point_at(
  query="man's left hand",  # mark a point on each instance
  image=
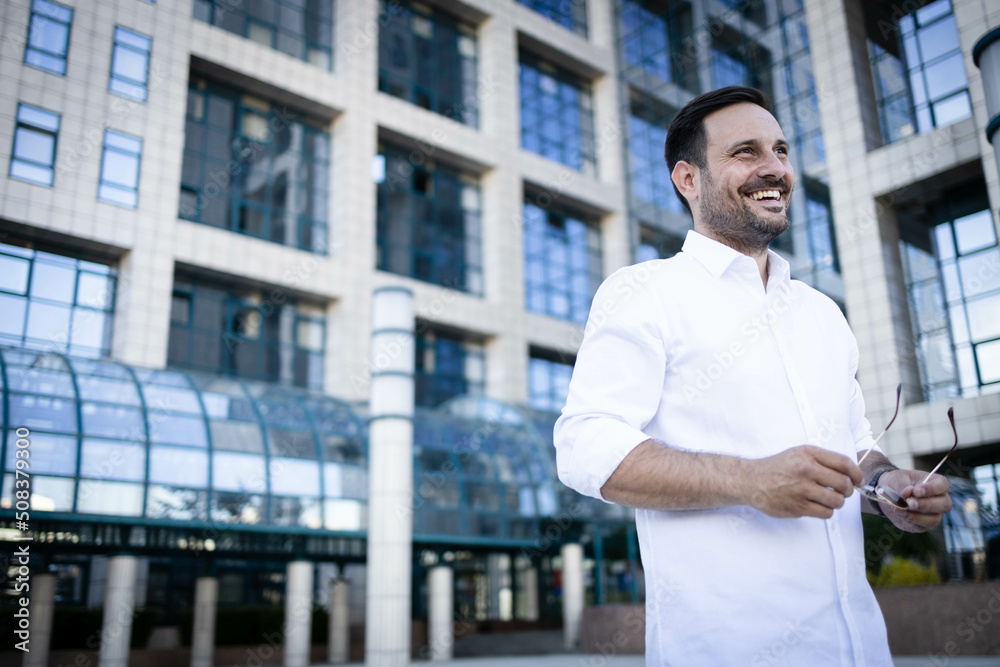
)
(927, 502)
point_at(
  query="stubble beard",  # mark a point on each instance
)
(735, 222)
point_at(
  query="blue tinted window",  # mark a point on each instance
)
(54, 302)
(657, 244)
(120, 169)
(562, 256)
(48, 36)
(649, 176)
(557, 118)
(447, 365)
(254, 168)
(429, 222)
(35, 135)
(571, 14)
(130, 64)
(428, 58)
(919, 73)
(548, 380)
(656, 38)
(301, 28)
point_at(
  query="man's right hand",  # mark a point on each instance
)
(801, 481)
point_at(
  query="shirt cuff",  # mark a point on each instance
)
(617, 440)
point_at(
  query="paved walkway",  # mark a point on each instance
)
(580, 660)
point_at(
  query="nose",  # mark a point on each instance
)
(772, 166)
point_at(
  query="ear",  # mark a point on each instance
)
(685, 178)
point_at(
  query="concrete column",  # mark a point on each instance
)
(390, 480)
(298, 612)
(986, 56)
(206, 599)
(119, 610)
(529, 594)
(339, 645)
(497, 566)
(572, 593)
(43, 603)
(441, 630)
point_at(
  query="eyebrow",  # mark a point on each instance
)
(783, 143)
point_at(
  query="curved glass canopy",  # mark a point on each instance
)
(167, 445)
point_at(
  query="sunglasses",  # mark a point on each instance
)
(884, 494)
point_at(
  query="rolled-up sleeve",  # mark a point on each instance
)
(616, 386)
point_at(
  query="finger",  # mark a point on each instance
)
(840, 463)
(932, 505)
(835, 480)
(824, 496)
(937, 485)
(817, 510)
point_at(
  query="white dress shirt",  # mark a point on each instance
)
(692, 352)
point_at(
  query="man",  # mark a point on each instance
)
(719, 398)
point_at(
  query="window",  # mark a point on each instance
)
(429, 58)
(919, 74)
(987, 480)
(48, 36)
(649, 176)
(737, 61)
(301, 28)
(35, 137)
(254, 168)
(428, 220)
(448, 364)
(798, 109)
(556, 115)
(562, 255)
(548, 379)
(54, 302)
(120, 169)
(954, 293)
(571, 15)
(822, 238)
(657, 244)
(656, 38)
(130, 64)
(247, 332)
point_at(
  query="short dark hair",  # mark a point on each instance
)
(686, 139)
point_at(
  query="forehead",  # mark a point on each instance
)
(739, 122)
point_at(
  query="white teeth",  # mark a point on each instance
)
(768, 194)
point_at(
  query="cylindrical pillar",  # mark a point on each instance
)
(390, 480)
(338, 648)
(529, 593)
(986, 56)
(441, 629)
(497, 566)
(119, 609)
(43, 603)
(206, 598)
(298, 612)
(572, 592)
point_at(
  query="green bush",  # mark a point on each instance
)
(884, 540)
(907, 572)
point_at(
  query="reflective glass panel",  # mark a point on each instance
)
(102, 497)
(109, 459)
(238, 472)
(164, 502)
(181, 467)
(344, 515)
(47, 454)
(294, 476)
(48, 494)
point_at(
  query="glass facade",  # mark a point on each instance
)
(429, 220)
(130, 64)
(657, 244)
(53, 302)
(649, 178)
(653, 40)
(301, 28)
(448, 364)
(120, 169)
(262, 334)
(919, 73)
(562, 263)
(954, 293)
(557, 119)
(254, 168)
(429, 58)
(48, 36)
(35, 138)
(570, 14)
(548, 379)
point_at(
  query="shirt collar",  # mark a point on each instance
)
(717, 257)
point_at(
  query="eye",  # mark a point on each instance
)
(743, 151)
(782, 150)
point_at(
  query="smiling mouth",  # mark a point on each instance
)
(766, 195)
